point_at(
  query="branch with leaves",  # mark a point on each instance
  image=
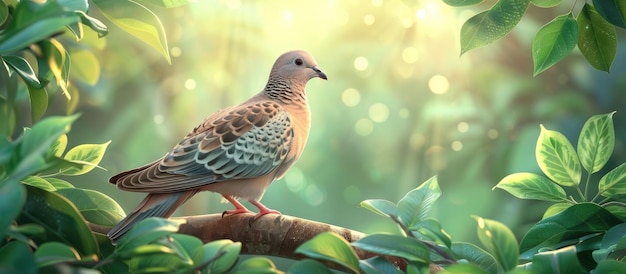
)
(592, 29)
(35, 30)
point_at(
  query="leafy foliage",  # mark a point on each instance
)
(45, 222)
(571, 229)
(36, 28)
(572, 237)
(593, 30)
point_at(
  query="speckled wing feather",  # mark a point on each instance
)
(247, 141)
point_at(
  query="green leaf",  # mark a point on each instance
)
(36, 144)
(7, 114)
(564, 260)
(596, 142)
(93, 23)
(23, 69)
(147, 250)
(38, 140)
(499, 241)
(614, 236)
(554, 41)
(58, 147)
(59, 64)
(89, 155)
(430, 229)
(380, 207)
(38, 102)
(464, 269)
(34, 21)
(613, 184)
(12, 199)
(38, 182)
(48, 52)
(29, 229)
(4, 12)
(475, 255)
(307, 266)
(61, 220)
(137, 20)
(258, 265)
(493, 24)
(546, 3)
(147, 231)
(74, 5)
(165, 3)
(85, 67)
(574, 222)
(407, 248)
(56, 166)
(597, 38)
(555, 209)
(170, 254)
(158, 257)
(59, 183)
(587, 243)
(617, 210)
(416, 204)
(613, 11)
(377, 265)
(222, 255)
(186, 245)
(610, 267)
(16, 257)
(462, 3)
(532, 186)
(50, 253)
(331, 247)
(96, 207)
(557, 159)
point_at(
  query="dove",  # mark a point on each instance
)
(236, 152)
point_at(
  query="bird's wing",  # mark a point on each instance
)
(247, 141)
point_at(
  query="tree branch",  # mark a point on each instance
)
(273, 235)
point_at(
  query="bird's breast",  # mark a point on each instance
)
(301, 121)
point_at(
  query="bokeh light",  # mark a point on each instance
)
(410, 55)
(378, 112)
(190, 84)
(360, 63)
(369, 19)
(438, 84)
(364, 127)
(462, 127)
(350, 97)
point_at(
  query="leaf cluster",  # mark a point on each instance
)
(35, 49)
(592, 30)
(576, 234)
(46, 224)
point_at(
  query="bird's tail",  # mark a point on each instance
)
(154, 205)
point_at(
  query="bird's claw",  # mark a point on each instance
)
(236, 211)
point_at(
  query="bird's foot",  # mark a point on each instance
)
(236, 211)
(262, 209)
(267, 211)
(239, 208)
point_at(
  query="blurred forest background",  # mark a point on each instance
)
(400, 104)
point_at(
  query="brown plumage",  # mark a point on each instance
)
(237, 151)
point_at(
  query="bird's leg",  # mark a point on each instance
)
(239, 208)
(262, 209)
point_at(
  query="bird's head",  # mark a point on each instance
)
(296, 65)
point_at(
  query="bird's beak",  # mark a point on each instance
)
(319, 72)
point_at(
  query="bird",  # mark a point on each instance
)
(236, 152)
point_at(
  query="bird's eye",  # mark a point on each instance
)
(298, 62)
